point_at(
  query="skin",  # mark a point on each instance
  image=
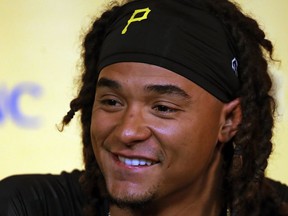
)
(148, 112)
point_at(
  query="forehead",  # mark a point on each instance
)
(142, 73)
(132, 76)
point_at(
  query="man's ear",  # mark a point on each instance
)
(231, 118)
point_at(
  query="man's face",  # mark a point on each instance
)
(154, 133)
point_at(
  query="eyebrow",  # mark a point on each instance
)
(168, 90)
(162, 89)
(104, 82)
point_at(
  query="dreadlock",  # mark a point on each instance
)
(245, 158)
(258, 106)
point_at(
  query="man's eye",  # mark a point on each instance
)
(166, 109)
(110, 102)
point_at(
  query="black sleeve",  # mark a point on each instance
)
(280, 188)
(41, 195)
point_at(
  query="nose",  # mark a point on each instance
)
(132, 127)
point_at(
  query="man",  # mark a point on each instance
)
(158, 139)
(176, 112)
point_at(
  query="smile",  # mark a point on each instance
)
(135, 161)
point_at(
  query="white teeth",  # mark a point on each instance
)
(149, 163)
(135, 162)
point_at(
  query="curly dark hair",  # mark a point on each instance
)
(247, 191)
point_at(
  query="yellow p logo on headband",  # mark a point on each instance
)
(146, 11)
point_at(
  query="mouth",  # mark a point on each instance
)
(136, 162)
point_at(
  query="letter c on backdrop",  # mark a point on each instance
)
(10, 104)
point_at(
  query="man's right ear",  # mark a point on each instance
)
(232, 116)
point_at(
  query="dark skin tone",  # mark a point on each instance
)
(157, 138)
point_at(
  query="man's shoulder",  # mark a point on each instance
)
(41, 194)
(280, 188)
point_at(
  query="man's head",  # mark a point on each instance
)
(149, 104)
(201, 135)
(157, 136)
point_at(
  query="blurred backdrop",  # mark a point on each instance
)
(40, 46)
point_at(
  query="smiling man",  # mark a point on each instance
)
(176, 117)
(176, 112)
(157, 138)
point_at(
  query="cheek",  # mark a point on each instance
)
(100, 130)
(100, 127)
(101, 123)
(188, 141)
(189, 133)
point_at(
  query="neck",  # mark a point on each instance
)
(206, 199)
(196, 208)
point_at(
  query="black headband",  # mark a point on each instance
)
(176, 35)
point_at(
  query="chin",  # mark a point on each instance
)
(132, 201)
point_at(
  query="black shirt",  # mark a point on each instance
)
(56, 195)
(41, 195)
